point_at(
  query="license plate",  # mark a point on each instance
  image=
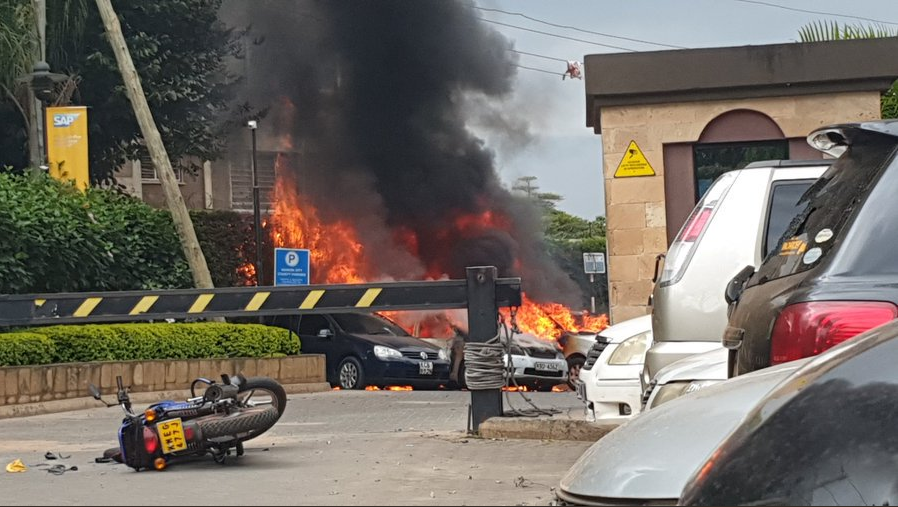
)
(546, 367)
(171, 435)
(425, 368)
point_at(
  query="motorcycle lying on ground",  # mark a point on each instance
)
(220, 420)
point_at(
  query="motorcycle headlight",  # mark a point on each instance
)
(674, 390)
(631, 351)
(386, 352)
(442, 354)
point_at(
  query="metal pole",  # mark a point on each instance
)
(592, 287)
(483, 325)
(257, 213)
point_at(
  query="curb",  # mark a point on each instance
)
(56, 406)
(543, 429)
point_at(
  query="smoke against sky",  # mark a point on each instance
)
(374, 99)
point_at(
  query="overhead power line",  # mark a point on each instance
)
(538, 70)
(861, 18)
(582, 30)
(555, 35)
(538, 55)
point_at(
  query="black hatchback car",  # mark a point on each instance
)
(834, 273)
(369, 350)
(824, 436)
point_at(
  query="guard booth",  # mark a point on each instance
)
(672, 121)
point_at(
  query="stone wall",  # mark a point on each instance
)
(32, 384)
(635, 207)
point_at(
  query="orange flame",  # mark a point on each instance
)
(400, 388)
(372, 388)
(550, 320)
(515, 389)
(338, 256)
(560, 388)
(336, 253)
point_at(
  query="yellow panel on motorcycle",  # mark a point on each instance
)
(150, 414)
(171, 435)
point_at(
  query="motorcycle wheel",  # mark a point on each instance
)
(255, 421)
(262, 391)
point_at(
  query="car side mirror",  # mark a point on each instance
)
(325, 333)
(735, 287)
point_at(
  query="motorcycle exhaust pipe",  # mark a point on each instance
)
(218, 392)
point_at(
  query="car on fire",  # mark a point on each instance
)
(364, 350)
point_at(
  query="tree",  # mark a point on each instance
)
(173, 198)
(547, 200)
(179, 47)
(832, 30)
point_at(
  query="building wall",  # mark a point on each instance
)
(635, 207)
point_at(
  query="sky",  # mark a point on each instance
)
(560, 151)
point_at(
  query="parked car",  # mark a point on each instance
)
(824, 436)
(834, 274)
(609, 381)
(576, 347)
(686, 376)
(649, 459)
(537, 364)
(369, 350)
(737, 222)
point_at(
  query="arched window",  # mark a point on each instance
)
(733, 140)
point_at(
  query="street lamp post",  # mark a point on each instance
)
(257, 213)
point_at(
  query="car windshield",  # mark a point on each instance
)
(356, 323)
(826, 207)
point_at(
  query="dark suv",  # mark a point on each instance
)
(369, 350)
(834, 273)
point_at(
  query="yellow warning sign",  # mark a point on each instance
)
(634, 163)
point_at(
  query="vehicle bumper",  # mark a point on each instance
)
(527, 374)
(566, 498)
(613, 401)
(404, 372)
(662, 354)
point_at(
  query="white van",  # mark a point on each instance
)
(736, 223)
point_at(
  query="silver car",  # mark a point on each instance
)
(648, 460)
(736, 223)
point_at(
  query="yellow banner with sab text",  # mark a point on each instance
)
(67, 144)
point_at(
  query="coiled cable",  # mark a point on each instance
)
(485, 364)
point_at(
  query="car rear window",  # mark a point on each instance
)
(784, 206)
(826, 207)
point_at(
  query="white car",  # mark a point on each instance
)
(538, 364)
(609, 381)
(686, 376)
(649, 460)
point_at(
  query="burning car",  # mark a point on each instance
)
(535, 364)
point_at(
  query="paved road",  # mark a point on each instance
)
(334, 448)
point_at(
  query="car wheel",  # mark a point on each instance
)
(350, 374)
(574, 365)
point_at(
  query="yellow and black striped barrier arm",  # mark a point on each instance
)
(67, 308)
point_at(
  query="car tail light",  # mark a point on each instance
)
(150, 442)
(697, 224)
(807, 329)
(683, 247)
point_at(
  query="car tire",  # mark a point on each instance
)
(574, 365)
(350, 374)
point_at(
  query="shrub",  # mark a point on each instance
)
(124, 342)
(22, 349)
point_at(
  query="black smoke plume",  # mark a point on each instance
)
(370, 96)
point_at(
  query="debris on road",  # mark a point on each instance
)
(16, 467)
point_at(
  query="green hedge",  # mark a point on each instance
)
(21, 349)
(124, 342)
